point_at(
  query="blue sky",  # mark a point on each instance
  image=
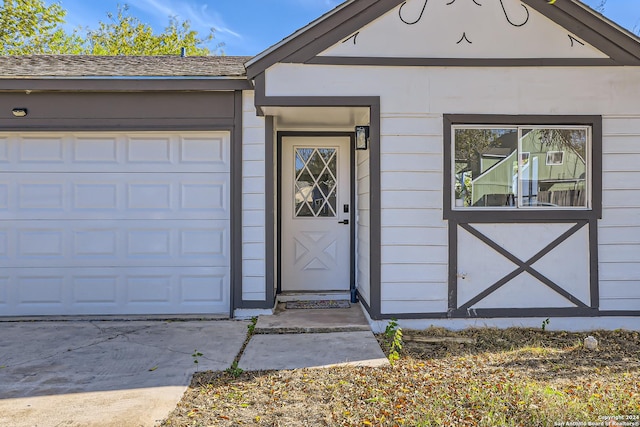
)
(247, 27)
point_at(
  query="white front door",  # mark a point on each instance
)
(316, 212)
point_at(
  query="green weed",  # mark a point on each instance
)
(393, 335)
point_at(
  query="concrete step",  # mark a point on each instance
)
(311, 350)
(313, 296)
(297, 321)
(312, 338)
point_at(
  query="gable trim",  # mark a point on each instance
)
(621, 46)
(595, 29)
(462, 62)
(318, 36)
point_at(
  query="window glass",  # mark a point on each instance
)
(484, 167)
(315, 182)
(556, 174)
(511, 167)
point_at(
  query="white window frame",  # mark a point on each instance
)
(519, 200)
(551, 163)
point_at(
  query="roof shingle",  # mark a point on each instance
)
(121, 66)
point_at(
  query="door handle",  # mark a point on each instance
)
(345, 222)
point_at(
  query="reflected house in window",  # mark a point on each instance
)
(550, 169)
(483, 177)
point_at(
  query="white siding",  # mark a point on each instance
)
(414, 251)
(619, 232)
(411, 91)
(413, 101)
(253, 201)
(363, 261)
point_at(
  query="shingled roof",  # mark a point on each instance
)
(78, 66)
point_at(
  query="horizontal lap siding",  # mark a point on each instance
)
(414, 236)
(413, 100)
(619, 231)
(363, 247)
(253, 202)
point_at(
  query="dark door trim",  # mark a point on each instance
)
(352, 201)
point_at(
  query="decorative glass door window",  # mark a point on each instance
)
(521, 167)
(315, 188)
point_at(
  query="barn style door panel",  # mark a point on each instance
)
(522, 269)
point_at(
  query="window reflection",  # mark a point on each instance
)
(315, 182)
(546, 167)
(485, 161)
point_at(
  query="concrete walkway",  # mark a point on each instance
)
(312, 338)
(105, 373)
(133, 373)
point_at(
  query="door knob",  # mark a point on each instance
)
(345, 222)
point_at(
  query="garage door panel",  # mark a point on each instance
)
(4, 291)
(115, 196)
(125, 242)
(114, 291)
(116, 152)
(4, 149)
(4, 195)
(4, 246)
(114, 223)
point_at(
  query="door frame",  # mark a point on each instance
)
(352, 201)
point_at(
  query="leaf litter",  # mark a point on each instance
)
(492, 377)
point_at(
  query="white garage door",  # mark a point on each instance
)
(114, 223)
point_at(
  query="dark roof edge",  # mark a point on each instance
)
(321, 33)
(622, 46)
(594, 28)
(124, 84)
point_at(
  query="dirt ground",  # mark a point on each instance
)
(476, 377)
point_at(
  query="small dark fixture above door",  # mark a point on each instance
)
(362, 137)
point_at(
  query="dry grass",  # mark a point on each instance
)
(513, 377)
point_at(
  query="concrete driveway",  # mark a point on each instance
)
(105, 373)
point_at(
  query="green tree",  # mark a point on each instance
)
(125, 34)
(32, 27)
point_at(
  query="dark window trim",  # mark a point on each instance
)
(595, 212)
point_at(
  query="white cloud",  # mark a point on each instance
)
(316, 4)
(201, 18)
(155, 7)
